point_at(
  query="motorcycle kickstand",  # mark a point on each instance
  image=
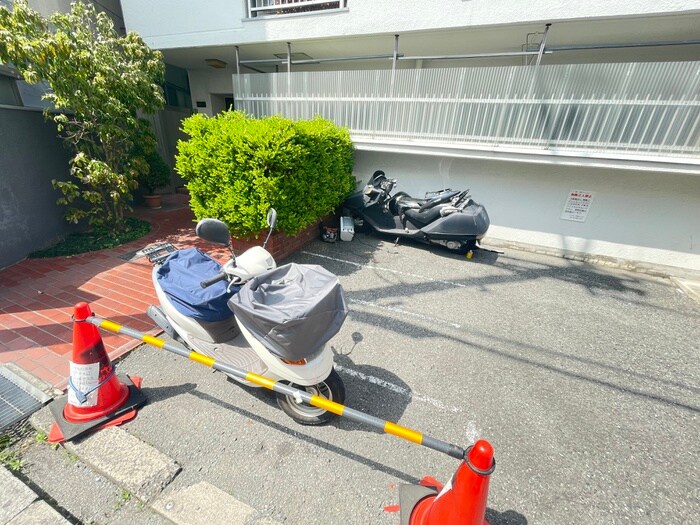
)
(396, 242)
(490, 250)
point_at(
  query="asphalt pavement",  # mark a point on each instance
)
(585, 380)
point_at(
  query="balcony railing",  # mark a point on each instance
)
(635, 108)
(258, 8)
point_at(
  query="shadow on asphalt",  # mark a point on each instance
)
(296, 434)
(161, 393)
(509, 517)
(494, 517)
(516, 271)
(375, 390)
(423, 333)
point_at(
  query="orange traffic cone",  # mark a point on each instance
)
(463, 500)
(96, 396)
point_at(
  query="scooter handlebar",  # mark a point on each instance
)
(208, 282)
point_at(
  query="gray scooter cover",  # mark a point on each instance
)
(293, 310)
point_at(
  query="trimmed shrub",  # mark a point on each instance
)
(158, 175)
(237, 167)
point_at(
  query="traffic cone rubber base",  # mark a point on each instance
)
(410, 496)
(64, 430)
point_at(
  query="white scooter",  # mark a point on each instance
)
(197, 298)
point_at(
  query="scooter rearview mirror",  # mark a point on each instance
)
(213, 230)
(271, 222)
(272, 218)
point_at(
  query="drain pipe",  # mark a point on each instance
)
(542, 44)
(238, 61)
(395, 59)
(238, 76)
(289, 68)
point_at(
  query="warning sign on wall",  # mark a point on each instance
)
(577, 205)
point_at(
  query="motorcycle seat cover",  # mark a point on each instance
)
(179, 278)
(293, 310)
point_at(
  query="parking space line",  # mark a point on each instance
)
(398, 272)
(405, 392)
(405, 312)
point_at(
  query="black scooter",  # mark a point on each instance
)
(446, 217)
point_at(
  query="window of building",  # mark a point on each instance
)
(177, 87)
(9, 96)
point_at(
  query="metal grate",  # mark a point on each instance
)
(630, 108)
(18, 399)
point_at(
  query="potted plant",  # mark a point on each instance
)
(157, 177)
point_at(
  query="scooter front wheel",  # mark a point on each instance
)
(331, 388)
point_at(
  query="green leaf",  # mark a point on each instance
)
(236, 167)
(103, 80)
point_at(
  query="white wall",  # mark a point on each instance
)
(47, 7)
(646, 217)
(208, 86)
(168, 24)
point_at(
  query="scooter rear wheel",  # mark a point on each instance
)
(331, 388)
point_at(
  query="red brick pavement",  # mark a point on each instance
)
(37, 295)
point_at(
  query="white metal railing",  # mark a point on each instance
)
(649, 108)
(257, 8)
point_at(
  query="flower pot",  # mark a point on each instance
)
(152, 201)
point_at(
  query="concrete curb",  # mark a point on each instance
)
(126, 460)
(144, 471)
(205, 504)
(655, 270)
(20, 505)
(690, 287)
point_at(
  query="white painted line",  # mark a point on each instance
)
(405, 392)
(372, 267)
(404, 312)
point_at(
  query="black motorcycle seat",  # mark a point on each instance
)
(403, 201)
(423, 218)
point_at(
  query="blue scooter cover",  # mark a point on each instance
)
(179, 277)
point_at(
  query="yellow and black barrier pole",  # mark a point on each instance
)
(271, 384)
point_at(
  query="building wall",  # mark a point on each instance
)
(637, 215)
(179, 23)
(209, 87)
(47, 7)
(31, 155)
(167, 124)
(651, 218)
(112, 7)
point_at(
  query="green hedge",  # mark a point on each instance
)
(236, 167)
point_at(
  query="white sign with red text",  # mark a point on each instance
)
(577, 205)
